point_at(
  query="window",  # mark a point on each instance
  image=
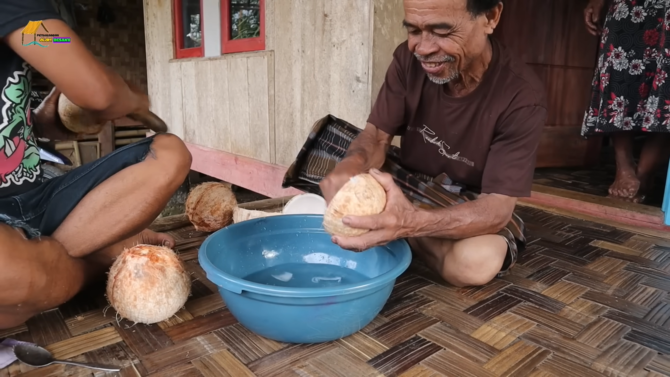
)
(188, 28)
(242, 25)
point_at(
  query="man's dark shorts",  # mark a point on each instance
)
(41, 210)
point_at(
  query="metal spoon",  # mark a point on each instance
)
(36, 356)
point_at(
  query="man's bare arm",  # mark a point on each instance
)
(486, 215)
(74, 70)
(367, 151)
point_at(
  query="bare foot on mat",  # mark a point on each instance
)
(106, 256)
(625, 186)
(149, 237)
(646, 185)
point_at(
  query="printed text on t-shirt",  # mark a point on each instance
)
(429, 136)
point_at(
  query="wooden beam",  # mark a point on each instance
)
(641, 230)
(130, 133)
(164, 224)
(257, 176)
(597, 207)
(265, 179)
(126, 122)
(106, 139)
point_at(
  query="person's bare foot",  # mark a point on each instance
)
(625, 186)
(646, 185)
(149, 237)
(105, 257)
(145, 237)
(654, 155)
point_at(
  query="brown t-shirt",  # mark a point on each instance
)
(486, 140)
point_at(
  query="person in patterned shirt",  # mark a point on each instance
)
(630, 91)
(58, 235)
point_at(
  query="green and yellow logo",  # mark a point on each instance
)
(40, 39)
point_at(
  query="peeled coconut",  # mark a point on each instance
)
(210, 206)
(77, 119)
(362, 195)
(148, 284)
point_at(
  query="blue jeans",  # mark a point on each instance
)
(41, 210)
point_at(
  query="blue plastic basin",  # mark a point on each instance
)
(299, 314)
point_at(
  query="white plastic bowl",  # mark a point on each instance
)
(305, 204)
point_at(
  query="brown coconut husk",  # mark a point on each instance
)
(362, 195)
(210, 206)
(148, 284)
(76, 119)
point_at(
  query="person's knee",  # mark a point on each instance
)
(35, 275)
(10, 238)
(19, 270)
(475, 261)
(174, 156)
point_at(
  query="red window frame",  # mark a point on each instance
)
(229, 46)
(177, 21)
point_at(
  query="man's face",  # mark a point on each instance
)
(444, 36)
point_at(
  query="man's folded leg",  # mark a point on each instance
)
(127, 202)
(469, 262)
(36, 275)
(463, 263)
(108, 200)
(69, 229)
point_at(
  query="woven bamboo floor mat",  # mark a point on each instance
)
(585, 299)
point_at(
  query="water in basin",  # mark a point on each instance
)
(306, 275)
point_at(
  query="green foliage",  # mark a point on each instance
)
(245, 19)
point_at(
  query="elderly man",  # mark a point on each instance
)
(470, 115)
(57, 235)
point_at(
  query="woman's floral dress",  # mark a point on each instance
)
(630, 87)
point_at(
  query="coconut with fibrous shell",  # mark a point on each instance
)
(148, 284)
(77, 119)
(362, 195)
(210, 206)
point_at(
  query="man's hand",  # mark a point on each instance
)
(75, 71)
(388, 226)
(592, 16)
(46, 121)
(334, 181)
(367, 151)
(142, 103)
(331, 184)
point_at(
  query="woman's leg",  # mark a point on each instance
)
(626, 182)
(655, 152)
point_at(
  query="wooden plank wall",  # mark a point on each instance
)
(551, 37)
(223, 102)
(161, 76)
(388, 34)
(327, 56)
(322, 65)
(226, 103)
(263, 104)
